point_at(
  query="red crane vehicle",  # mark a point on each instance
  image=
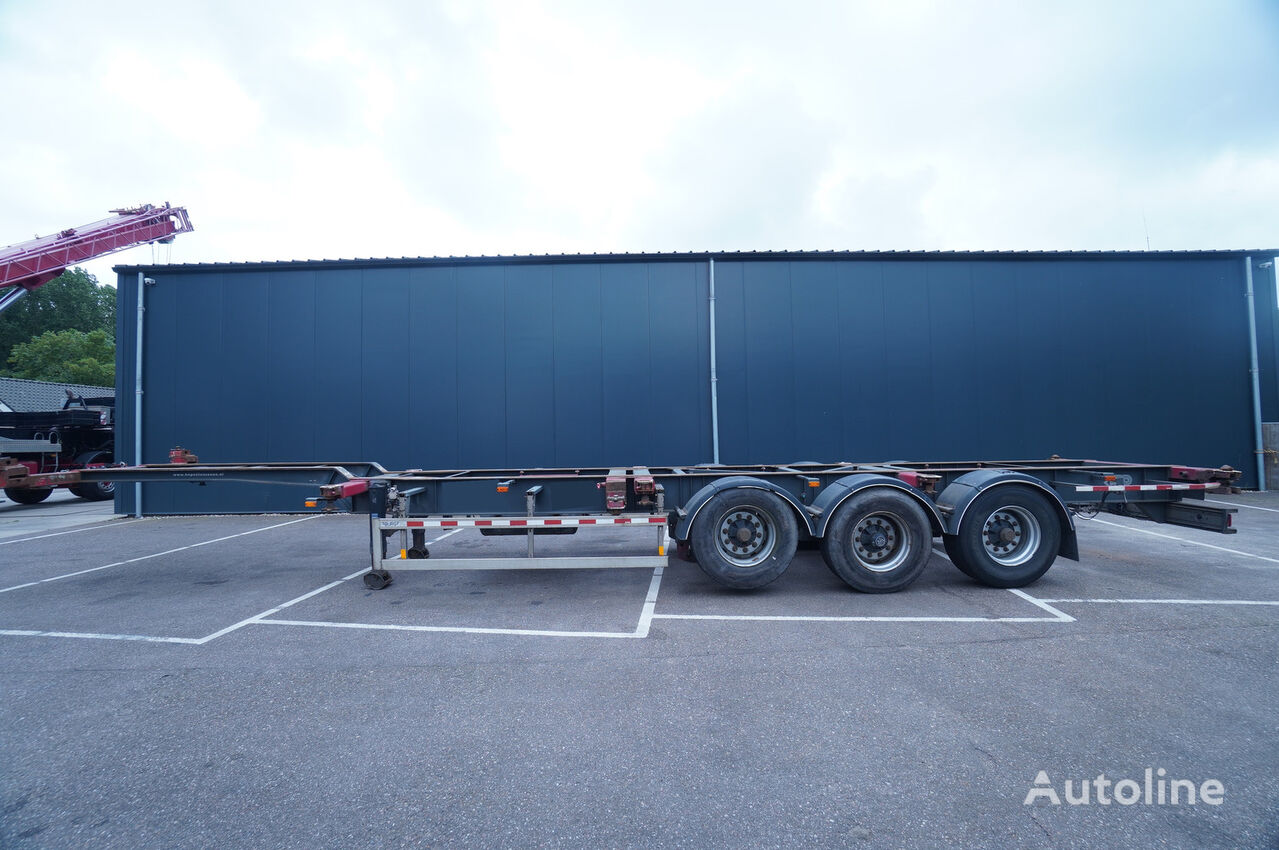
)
(31, 264)
(80, 435)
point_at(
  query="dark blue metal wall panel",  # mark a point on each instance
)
(339, 427)
(936, 360)
(578, 366)
(863, 332)
(530, 404)
(293, 407)
(627, 359)
(384, 347)
(814, 288)
(432, 377)
(481, 366)
(605, 361)
(1267, 294)
(955, 385)
(676, 423)
(196, 379)
(441, 366)
(907, 408)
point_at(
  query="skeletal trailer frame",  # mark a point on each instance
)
(403, 505)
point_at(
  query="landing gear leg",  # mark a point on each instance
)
(377, 579)
(418, 550)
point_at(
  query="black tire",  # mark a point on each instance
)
(951, 542)
(1009, 537)
(878, 541)
(744, 537)
(28, 496)
(94, 491)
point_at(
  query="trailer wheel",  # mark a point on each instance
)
(1009, 537)
(28, 495)
(878, 541)
(377, 579)
(744, 537)
(94, 491)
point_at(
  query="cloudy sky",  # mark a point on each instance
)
(309, 130)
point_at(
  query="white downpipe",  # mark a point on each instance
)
(1258, 446)
(714, 373)
(137, 396)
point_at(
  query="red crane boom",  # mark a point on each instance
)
(30, 264)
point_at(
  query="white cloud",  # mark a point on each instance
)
(452, 128)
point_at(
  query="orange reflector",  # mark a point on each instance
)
(404, 556)
(1108, 477)
(813, 483)
(502, 489)
(310, 503)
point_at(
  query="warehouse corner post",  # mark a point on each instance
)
(143, 283)
(1258, 447)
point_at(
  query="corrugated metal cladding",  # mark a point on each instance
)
(604, 360)
(1267, 297)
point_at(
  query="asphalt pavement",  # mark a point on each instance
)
(230, 682)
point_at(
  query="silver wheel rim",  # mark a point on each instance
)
(746, 535)
(880, 542)
(104, 486)
(1010, 535)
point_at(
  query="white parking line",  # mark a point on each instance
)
(1058, 617)
(1043, 603)
(650, 603)
(191, 641)
(1169, 601)
(72, 531)
(257, 618)
(1183, 540)
(156, 555)
(95, 636)
(641, 629)
(787, 618)
(459, 629)
(1242, 505)
(647, 614)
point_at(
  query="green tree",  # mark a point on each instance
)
(70, 357)
(74, 301)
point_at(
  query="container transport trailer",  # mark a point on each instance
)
(1001, 523)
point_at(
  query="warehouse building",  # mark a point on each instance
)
(662, 359)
